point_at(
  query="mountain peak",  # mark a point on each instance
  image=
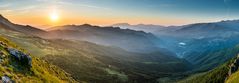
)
(26, 29)
(86, 25)
(1, 16)
(3, 19)
(229, 20)
(121, 24)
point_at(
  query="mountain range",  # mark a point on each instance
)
(108, 36)
(140, 27)
(124, 53)
(94, 62)
(205, 45)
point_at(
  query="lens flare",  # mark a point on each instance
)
(54, 17)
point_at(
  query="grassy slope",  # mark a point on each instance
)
(216, 58)
(217, 75)
(41, 71)
(99, 58)
(234, 78)
(81, 64)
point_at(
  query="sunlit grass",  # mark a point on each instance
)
(40, 72)
(234, 78)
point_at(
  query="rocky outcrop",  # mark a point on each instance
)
(6, 79)
(20, 56)
(234, 66)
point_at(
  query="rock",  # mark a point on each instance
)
(14, 53)
(20, 56)
(234, 66)
(29, 58)
(236, 62)
(6, 79)
(232, 69)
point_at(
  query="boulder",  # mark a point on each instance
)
(20, 56)
(234, 66)
(232, 69)
(236, 62)
(6, 79)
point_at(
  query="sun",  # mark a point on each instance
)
(54, 17)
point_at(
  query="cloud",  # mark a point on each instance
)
(4, 6)
(92, 6)
(64, 3)
(82, 5)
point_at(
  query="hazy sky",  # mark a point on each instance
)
(106, 12)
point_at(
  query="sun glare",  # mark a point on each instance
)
(54, 17)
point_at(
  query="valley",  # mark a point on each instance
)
(90, 62)
(98, 54)
(119, 41)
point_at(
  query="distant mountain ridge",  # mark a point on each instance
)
(206, 45)
(113, 36)
(6, 24)
(158, 30)
(140, 27)
(136, 41)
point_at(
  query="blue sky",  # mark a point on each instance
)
(103, 12)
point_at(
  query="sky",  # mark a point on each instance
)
(46, 13)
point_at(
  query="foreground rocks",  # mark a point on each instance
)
(20, 56)
(234, 66)
(6, 79)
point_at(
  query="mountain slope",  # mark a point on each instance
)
(233, 78)
(6, 24)
(135, 41)
(201, 43)
(88, 62)
(217, 75)
(40, 71)
(221, 74)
